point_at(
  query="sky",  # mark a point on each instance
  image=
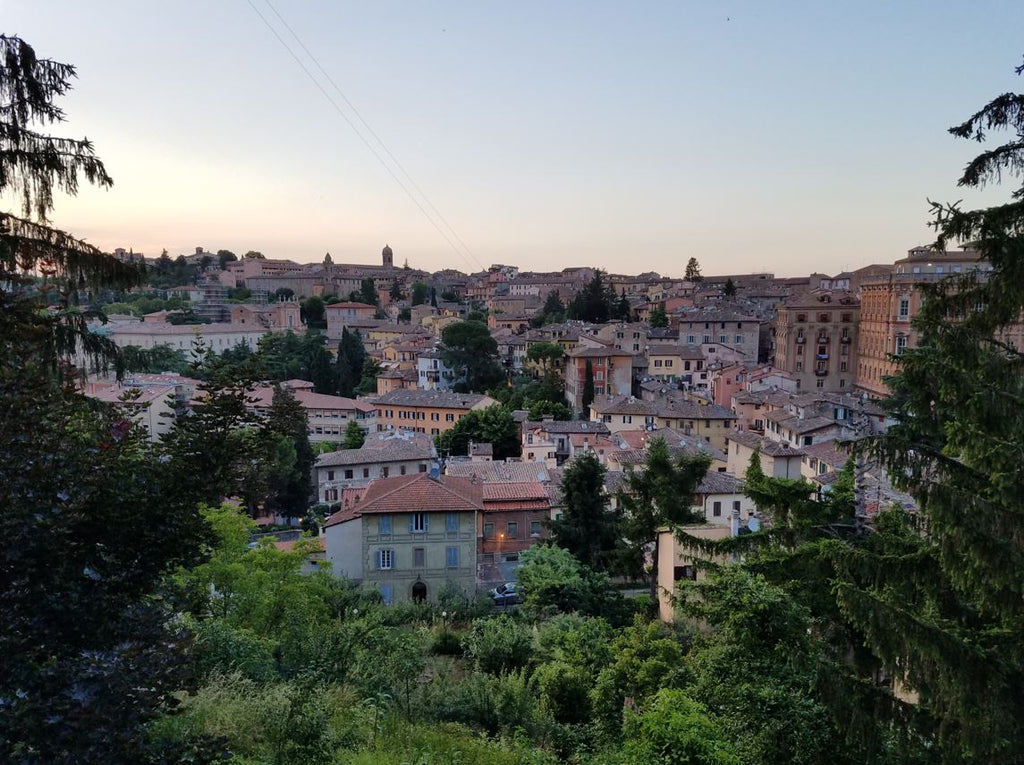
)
(791, 137)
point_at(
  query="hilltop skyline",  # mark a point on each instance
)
(790, 139)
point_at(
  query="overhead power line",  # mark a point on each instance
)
(434, 218)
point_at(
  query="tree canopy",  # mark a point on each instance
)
(468, 349)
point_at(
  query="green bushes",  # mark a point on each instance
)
(499, 644)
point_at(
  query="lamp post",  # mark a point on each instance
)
(501, 538)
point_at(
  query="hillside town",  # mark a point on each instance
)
(307, 512)
(790, 369)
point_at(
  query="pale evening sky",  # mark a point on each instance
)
(783, 136)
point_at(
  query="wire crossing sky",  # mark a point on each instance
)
(783, 136)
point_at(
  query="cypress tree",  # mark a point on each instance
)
(587, 397)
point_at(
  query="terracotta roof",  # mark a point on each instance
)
(682, 351)
(798, 424)
(827, 452)
(591, 353)
(289, 545)
(514, 491)
(393, 447)
(526, 504)
(562, 427)
(719, 483)
(440, 399)
(153, 328)
(339, 306)
(489, 472)
(264, 397)
(769, 447)
(415, 493)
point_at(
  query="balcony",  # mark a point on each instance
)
(820, 372)
(823, 356)
(822, 339)
(800, 339)
(846, 339)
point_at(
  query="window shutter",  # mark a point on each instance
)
(378, 559)
(452, 522)
(411, 519)
(426, 522)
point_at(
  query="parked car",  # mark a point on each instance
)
(505, 594)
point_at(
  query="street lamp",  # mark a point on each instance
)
(501, 538)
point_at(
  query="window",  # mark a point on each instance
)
(451, 522)
(807, 440)
(723, 339)
(904, 309)
(627, 418)
(402, 469)
(716, 509)
(423, 466)
(449, 417)
(452, 555)
(691, 339)
(385, 471)
(386, 594)
(384, 524)
(385, 559)
(820, 383)
(707, 338)
(738, 339)
(799, 366)
(435, 417)
(419, 557)
(534, 528)
(348, 473)
(419, 523)
(901, 344)
(488, 530)
(513, 529)
(846, 318)
(801, 317)
(842, 366)
(330, 475)
(735, 504)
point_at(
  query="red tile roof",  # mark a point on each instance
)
(415, 493)
(494, 492)
(529, 504)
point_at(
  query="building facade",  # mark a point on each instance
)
(816, 339)
(409, 536)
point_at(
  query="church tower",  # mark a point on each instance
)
(388, 257)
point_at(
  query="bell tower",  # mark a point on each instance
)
(388, 257)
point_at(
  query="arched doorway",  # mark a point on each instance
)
(419, 591)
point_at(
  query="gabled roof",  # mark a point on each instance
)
(396, 447)
(416, 493)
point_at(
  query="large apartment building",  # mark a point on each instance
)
(816, 339)
(889, 304)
